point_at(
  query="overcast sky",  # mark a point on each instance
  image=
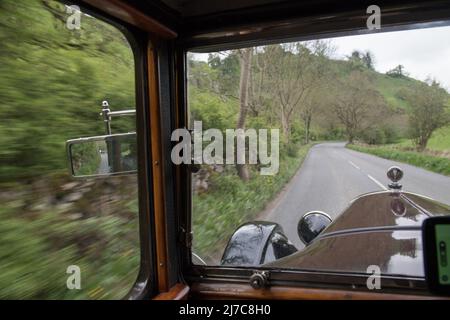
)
(423, 52)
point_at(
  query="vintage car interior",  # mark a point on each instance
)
(175, 27)
(261, 259)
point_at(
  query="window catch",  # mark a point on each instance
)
(259, 279)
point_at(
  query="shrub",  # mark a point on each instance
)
(373, 135)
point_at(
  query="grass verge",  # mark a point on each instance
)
(230, 202)
(426, 161)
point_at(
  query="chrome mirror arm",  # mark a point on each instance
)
(108, 114)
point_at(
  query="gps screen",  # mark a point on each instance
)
(443, 252)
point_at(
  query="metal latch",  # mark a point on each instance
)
(259, 279)
(185, 237)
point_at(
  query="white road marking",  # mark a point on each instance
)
(369, 176)
(377, 182)
(354, 165)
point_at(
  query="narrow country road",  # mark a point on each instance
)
(332, 175)
(104, 165)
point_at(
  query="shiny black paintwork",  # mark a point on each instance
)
(380, 228)
(311, 225)
(255, 243)
(371, 231)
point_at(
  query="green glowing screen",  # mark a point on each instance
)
(443, 252)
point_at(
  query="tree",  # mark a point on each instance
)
(245, 57)
(428, 111)
(360, 60)
(355, 56)
(357, 103)
(397, 72)
(313, 103)
(259, 87)
(227, 71)
(314, 97)
(368, 60)
(294, 73)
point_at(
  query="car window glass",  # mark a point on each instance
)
(63, 237)
(293, 128)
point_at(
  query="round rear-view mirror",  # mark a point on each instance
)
(311, 225)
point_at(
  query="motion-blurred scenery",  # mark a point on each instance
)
(52, 84)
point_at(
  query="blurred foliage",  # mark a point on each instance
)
(49, 225)
(52, 85)
(86, 158)
(53, 82)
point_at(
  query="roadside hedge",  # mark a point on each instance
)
(426, 161)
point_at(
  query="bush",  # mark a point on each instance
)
(292, 150)
(297, 133)
(391, 134)
(373, 135)
(333, 134)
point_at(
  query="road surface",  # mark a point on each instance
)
(332, 175)
(104, 164)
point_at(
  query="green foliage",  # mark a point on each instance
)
(41, 237)
(231, 202)
(391, 134)
(438, 143)
(429, 162)
(373, 135)
(394, 90)
(212, 110)
(227, 69)
(440, 140)
(85, 158)
(379, 135)
(297, 133)
(52, 83)
(360, 60)
(397, 72)
(428, 112)
(331, 134)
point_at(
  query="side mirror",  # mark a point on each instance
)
(102, 155)
(311, 225)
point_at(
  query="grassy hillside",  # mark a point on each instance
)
(390, 87)
(440, 141)
(394, 89)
